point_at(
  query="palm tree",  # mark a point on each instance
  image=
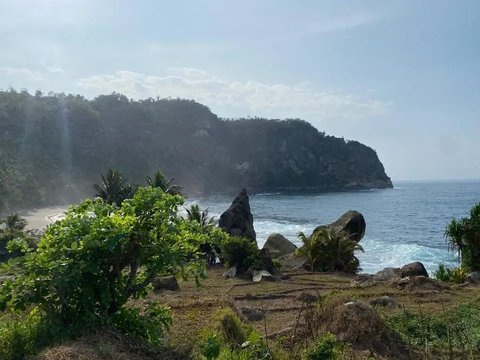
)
(330, 249)
(464, 235)
(160, 181)
(195, 214)
(15, 222)
(210, 251)
(113, 188)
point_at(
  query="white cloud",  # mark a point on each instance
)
(237, 98)
(24, 74)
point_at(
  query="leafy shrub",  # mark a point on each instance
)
(239, 252)
(13, 240)
(22, 336)
(149, 326)
(211, 347)
(326, 348)
(329, 249)
(464, 235)
(88, 265)
(230, 339)
(232, 329)
(456, 275)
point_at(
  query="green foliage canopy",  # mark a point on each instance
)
(464, 235)
(329, 249)
(90, 263)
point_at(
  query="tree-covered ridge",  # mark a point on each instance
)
(53, 146)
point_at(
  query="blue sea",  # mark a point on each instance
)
(404, 224)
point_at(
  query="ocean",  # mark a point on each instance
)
(404, 224)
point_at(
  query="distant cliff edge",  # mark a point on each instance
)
(53, 147)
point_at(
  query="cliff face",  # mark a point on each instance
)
(54, 147)
(291, 155)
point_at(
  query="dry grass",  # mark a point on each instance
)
(280, 302)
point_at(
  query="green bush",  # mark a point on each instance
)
(22, 336)
(231, 339)
(326, 348)
(149, 325)
(88, 265)
(13, 240)
(239, 252)
(456, 275)
(464, 236)
(210, 348)
(329, 249)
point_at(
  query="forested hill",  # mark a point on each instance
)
(53, 148)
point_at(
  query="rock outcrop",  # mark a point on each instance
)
(397, 276)
(414, 269)
(238, 219)
(165, 283)
(278, 245)
(352, 222)
(206, 154)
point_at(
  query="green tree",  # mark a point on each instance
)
(113, 188)
(89, 264)
(207, 223)
(463, 236)
(14, 222)
(13, 239)
(329, 249)
(160, 181)
(194, 213)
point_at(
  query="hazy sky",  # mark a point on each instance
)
(400, 76)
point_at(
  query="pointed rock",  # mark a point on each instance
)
(238, 219)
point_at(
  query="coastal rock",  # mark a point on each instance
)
(278, 245)
(362, 280)
(238, 219)
(421, 283)
(165, 283)
(352, 222)
(414, 269)
(230, 273)
(474, 277)
(251, 313)
(388, 274)
(292, 261)
(386, 301)
(260, 275)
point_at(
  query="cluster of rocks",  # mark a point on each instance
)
(238, 221)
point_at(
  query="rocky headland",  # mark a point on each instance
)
(55, 147)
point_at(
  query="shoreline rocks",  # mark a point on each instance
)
(352, 222)
(238, 219)
(278, 245)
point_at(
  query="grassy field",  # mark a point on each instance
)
(280, 311)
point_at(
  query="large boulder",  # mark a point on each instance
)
(165, 283)
(238, 219)
(414, 269)
(278, 245)
(292, 261)
(352, 222)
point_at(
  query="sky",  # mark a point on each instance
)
(400, 76)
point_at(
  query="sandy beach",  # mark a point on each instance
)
(38, 219)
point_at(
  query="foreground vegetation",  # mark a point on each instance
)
(90, 281)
